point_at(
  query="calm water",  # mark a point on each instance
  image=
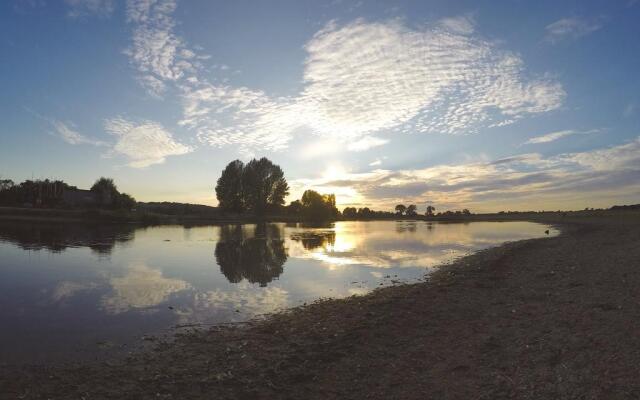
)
(71, 290)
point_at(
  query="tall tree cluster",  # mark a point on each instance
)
(257, 187)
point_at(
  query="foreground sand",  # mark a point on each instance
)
(555, 318)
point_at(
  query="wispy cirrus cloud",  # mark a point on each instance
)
(360, 79)
(86, 8)
(553, 136)
(69, 133)
(527, 180)
(144, 143)
(571, 28)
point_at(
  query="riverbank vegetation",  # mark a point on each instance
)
(254, 191)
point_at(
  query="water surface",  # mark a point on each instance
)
(72, 290)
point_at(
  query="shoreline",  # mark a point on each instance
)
(471, 329)
(90, 216)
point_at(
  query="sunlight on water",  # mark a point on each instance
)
(68, 290)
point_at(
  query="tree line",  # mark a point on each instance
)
(56, 193)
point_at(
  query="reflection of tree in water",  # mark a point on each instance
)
(258, 257)
(312, 240)
(406, 226)
(57, 237)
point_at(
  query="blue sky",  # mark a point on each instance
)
(485, 105)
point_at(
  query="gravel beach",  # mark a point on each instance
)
(550, 318)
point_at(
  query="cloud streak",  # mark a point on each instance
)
(68, 133)
(553, 136)
(570, 29)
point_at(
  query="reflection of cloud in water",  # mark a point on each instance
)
(244, 297)
(413, 244)
(68, 289)
(141, 287)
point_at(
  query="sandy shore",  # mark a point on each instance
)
(555, 318)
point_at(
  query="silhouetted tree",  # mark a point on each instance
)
(6, 184)
(294, 208)
(125, 202)
(364, 212)
(263, 186)
(411, 210)
(350, 213)
(466, 211)
(318, 207)
(400, 209)
(109, 196)
(106, 191)
(229, 187)
(430, 211)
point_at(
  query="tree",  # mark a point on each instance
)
(106, 190)
(109, 196)
(229, 187)
(350, 213)
(430, 211)
(263, 186)
(318, 207)
(411, 210)
(125, 202)
(294, 208)
(466, 211)
(6, 184)
(400, 209)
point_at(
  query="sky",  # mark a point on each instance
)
(486, 105)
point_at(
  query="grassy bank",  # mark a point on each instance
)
(542, 318)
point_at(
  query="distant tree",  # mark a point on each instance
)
(466, 211)
(400, 209)
(412, 210)
(294, 208)
(350, 213)
(430, 210)
(364, 212)
(106, 190)
(318, 207)
(6, 184)
(263, 186)
(229, 187)
(125, 202)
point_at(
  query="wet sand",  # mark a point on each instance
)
(544, 318)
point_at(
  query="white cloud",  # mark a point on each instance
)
(553, 136)
(144, 143)
(366, 143)
(571, 28)
(84, 8)
(69, 134)
(359, 79)
(157, 53)
(526, 180)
